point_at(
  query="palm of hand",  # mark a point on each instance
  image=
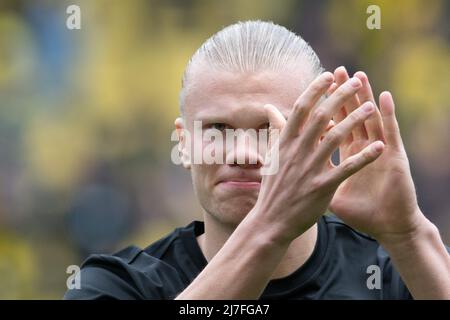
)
(373, 200)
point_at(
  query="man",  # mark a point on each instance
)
(267, 236)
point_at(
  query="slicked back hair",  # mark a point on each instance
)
(253, 46)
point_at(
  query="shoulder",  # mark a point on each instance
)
(343, 231)
(359, 254)
(132, 273)
(350, 247)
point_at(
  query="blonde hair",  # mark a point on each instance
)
(253, 46)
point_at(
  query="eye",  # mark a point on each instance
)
(219, 126)
(265, 126)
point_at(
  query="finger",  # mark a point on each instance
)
(332, 89)
(355, 163)
(276, 120)
(374, 125)
(390, 123)
(306, 101)
(341, 114)
(334, 138)
(330, 126)
(323, 113)
(341, 76)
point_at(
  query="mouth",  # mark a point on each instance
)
(240, 183)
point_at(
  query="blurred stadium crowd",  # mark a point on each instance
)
(86, 115)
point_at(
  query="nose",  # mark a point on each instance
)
(244, 149)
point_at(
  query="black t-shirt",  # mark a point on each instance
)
(343, 265)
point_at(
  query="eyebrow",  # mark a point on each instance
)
(212, 118)
(223, 118)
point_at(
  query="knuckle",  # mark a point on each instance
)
(332, 137)
(320, 115)
(345, 91)
(299, 105)
(366, 156)
(317, 184)
(356, 117)
(317, 86)
(349, 166)
(341, 93)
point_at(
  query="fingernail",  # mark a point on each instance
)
(355, 82)
(328, 76)
(378, 146)
(360, 74)
(368, 107)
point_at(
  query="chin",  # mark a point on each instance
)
(234, 211)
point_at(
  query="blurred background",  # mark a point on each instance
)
(86, 115)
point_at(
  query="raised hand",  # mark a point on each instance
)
(380, 199)
(294, 198)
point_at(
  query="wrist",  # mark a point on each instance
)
(273, 232)
(422, 232)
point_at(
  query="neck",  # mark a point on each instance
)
(300, 249)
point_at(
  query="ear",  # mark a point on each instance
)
(184, 145)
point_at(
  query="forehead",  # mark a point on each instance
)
(236, 95)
